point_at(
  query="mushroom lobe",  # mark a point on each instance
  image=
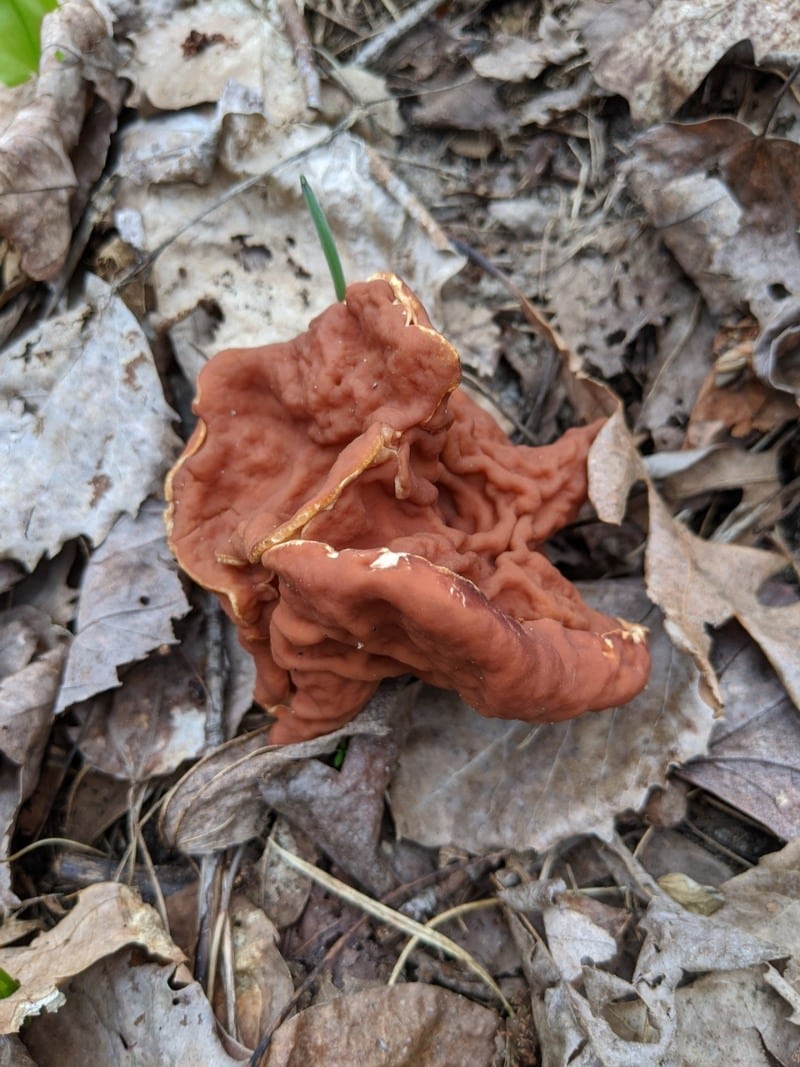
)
(360, 517)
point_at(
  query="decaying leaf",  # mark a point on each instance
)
(123, 1010)
(32, 652)
(698, 986)
(517, 58)
(696, 583)
(255, 261)
(341, 810)
(753, 761)
(44, 179)
(409, 1025)
(720, 196)
(129, 594)
(657, 54)
(217, 803)
(263, 983)
(187, 56)
(106, 917)
(482, 784)
(85, 424)
(150, 726)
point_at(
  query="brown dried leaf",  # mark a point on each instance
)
(263, 983)
(484, 783)
(720, 196)
(32, 652)
(657, 54)
(123, 1011)
(129, 594)
(55, 147)
(395, 1026)
(341, 810)
(106, 917)
(695, 582)
(217, 803)
(753, 761)
(737, 408)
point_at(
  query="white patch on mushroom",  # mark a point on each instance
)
(387, 559)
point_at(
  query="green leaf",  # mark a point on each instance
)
(19, 38)
(8, 985)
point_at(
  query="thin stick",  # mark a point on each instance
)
(295, 24)
(377, 45)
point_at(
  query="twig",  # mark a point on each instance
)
(399, 191)
(377, 45)
(531, 313)
(215, 672)
(292, 15)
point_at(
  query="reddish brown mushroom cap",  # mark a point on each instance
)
(362, 615)
(360, 517)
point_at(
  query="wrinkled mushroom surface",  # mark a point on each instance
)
(361, 517)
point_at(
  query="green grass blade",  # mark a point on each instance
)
(325, 238)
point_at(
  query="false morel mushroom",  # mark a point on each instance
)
(360, 518)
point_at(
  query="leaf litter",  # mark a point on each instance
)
(632, 200)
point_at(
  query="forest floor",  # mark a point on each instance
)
(598, 205)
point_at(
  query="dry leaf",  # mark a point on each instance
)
(150, 726)
(255, 261)
(695, 582)
(129, 594)
(753, 761)
(188, 56)
(44, 179)
(217, 803)
(263, 983)
(664, 1015)
(106, 917)
(719, 196)
(515, 59)
(341, 811)
(32, 652)
(657, 54)
(87, 426)
(127, 1012)
(701, 899)
(395, 1026)
(484, 783)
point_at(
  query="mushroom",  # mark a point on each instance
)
(360, 518)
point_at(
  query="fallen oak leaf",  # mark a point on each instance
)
(695, 582)
(657, 54)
